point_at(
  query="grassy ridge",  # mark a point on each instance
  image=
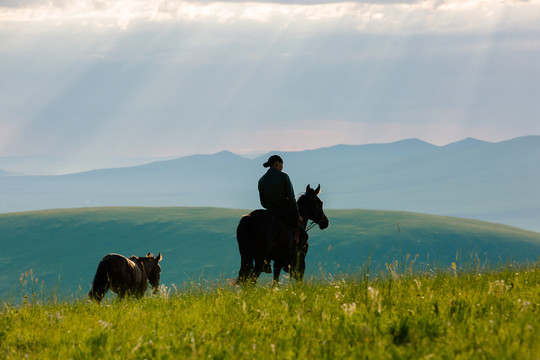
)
(453, 315)
(63, 247)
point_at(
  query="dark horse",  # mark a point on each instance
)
(125, 276)
(262, 238)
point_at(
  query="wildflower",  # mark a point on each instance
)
(524, 304)
(104, 324)
(498, 287)
(375, 298)
(349, 309)
(164, 291)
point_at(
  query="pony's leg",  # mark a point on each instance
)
(140, 293)
(121, 294)
(97, 295)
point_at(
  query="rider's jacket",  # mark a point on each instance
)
(276, 192)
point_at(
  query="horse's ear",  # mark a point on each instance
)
(159, 257)
(149, 255)
(318, 189)
(308, 188)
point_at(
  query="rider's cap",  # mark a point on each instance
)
(273, 159)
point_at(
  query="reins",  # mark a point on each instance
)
(313, 223)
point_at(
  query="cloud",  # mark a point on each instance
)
(365, 16)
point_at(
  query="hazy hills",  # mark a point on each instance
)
(496, 182)
(64, 247)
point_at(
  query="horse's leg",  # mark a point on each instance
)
(246, 269)
(244, 235)
(300, 267)
(257, 270)
(277, 269)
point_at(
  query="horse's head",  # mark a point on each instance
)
(311, 207)
(153, 270)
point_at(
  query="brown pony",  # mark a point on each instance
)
(125, 276)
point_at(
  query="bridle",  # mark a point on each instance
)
(320, 214)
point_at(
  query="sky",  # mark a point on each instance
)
(98, 79)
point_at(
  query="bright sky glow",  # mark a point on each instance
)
(173, 78)
(410, 16)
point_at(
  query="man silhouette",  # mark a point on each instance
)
(277, 195)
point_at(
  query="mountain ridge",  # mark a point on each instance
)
(473, 179)
(467, 142)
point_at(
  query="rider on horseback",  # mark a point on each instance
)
(277, 195)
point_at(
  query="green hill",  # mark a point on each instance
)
(64, 247)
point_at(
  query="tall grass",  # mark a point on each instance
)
(402, 314)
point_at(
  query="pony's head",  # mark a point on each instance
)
(311, 207)
(153, 270)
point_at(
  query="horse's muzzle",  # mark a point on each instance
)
(323, 224)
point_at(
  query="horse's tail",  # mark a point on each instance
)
(100, 285)
(243, 234)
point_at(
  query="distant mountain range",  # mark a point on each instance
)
(498, 182)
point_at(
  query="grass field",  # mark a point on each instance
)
(394, 314)
(64, 247)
